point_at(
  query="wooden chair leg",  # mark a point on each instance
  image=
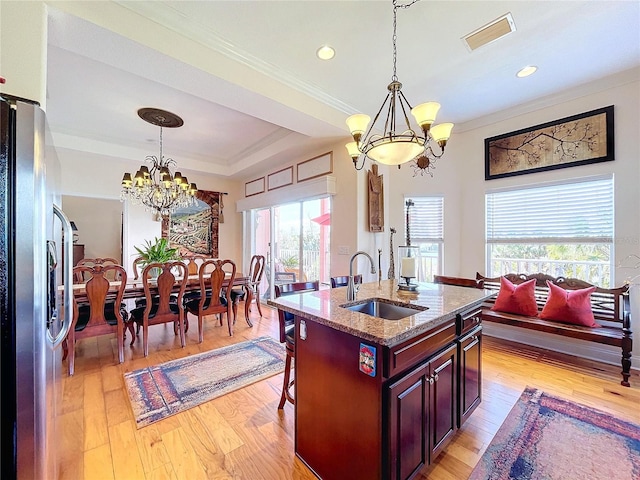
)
(121, 334)
(72, 352)
(145, 338)
(257, 297)
(229, 324)
(182, 335)
(200, 332)
(131, 326)
(286, 384)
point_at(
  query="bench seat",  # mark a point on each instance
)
(610, 308)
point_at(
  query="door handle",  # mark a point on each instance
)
(67, 274)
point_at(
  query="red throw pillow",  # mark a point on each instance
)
(569, 306)
(520, 299)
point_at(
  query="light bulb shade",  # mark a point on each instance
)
(126, 180)
(425, 113)
(395, 152)
(352, 148)
(177, 178)
(441, 132)
(145, 170)
(358, 123)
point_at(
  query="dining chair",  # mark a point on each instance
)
(256, 270)
(98, 315)
(344, 280)
(287, 333)
(137, 267)
(159, 307)
(215, 296)
(193, 262)
(81, 277)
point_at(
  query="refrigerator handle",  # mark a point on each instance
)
(67, 274)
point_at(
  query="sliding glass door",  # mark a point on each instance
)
(296, 239)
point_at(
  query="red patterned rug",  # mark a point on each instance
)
(171, 387)
(545, 437)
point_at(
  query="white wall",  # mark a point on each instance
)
(460, 177)
(99, 223)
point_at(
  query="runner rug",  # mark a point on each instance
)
(162, 390)
(545, 437)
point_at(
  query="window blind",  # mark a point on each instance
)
(580, 212)
(426, 219)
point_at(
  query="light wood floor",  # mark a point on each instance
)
(242, 435)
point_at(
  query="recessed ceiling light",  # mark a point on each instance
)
(325, 52)
(526, 71)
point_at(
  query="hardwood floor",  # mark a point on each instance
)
(242, 435)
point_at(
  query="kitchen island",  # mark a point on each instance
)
(379, 398)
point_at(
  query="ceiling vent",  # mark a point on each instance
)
(490, 32)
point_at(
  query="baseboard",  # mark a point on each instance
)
(570, 346)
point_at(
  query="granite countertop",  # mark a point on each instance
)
(323, 306)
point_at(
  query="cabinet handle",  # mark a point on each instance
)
(430, 380)
(473, 338)
(477, 319)
(435, 377)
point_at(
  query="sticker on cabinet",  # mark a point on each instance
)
(368, 359)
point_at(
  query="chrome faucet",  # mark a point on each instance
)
(352, 290)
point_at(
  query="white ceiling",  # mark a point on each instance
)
(244, 76)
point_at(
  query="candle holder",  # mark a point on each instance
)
(408, 255)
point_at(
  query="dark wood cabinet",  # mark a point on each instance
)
(422, 414)
(469, 354)
(78, 253)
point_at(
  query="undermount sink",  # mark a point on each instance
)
(384, 309)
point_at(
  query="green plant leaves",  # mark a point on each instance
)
(158, 251)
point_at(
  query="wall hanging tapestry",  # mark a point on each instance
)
(194, 230)
(577, 140)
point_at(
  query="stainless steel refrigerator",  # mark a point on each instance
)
(35, 260)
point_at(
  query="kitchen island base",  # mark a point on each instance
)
(367, 411)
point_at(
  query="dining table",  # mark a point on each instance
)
(135, 289)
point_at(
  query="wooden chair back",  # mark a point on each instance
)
(99, 301)
(459, 281)
(167, 281)
(342, 281)
(81, 277)
(194, 262)
(285, 289)
(212, 281)
(137, 267)
(256, 269)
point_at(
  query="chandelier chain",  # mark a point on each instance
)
(395, 35)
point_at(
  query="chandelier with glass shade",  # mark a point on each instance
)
(395, 141)
(154, 186)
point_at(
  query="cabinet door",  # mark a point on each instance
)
(443, 405)
(408, 423)
(470, 374)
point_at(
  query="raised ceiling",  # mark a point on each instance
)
(244, 76)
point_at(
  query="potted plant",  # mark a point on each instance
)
(158, 251)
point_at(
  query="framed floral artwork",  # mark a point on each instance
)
(577, 140)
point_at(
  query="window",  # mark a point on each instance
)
(558, 229)
(426, 228)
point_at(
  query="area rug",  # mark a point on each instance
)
(171, 387)
(545, 437)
